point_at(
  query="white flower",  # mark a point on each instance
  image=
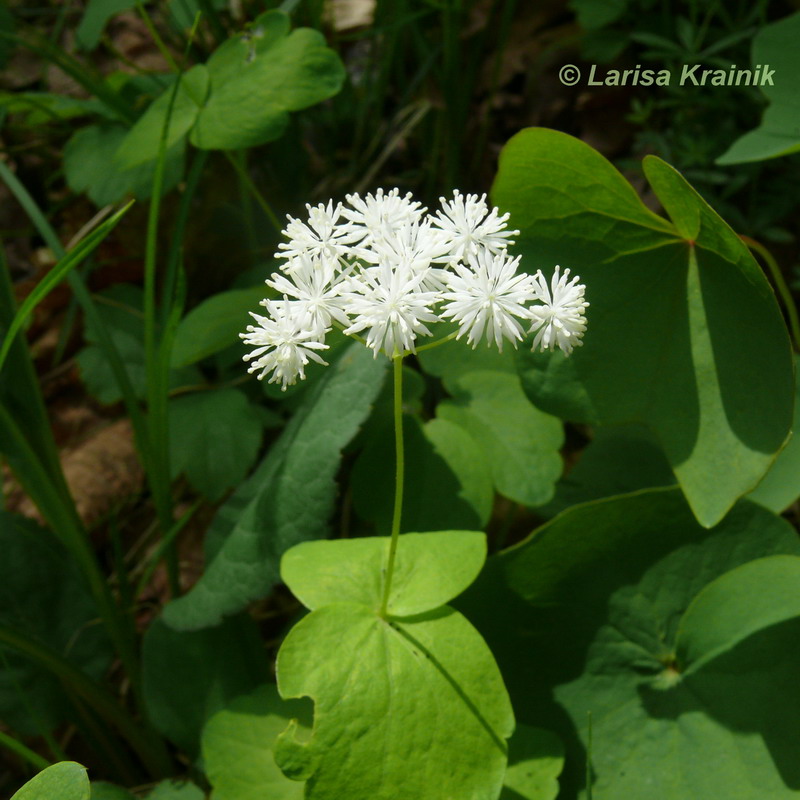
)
(285, 341)
(379, 214)
(315, 285)
(488, 296)
(471, 227)
(388, 303)
(561, 320)
(324, 235)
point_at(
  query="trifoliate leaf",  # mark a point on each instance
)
(257, 78)
(615, 600)
(665, 343)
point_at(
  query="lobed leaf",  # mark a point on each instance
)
(665, 345)
(430, 570)
(416, 703)
(259, 77)
(599, 596)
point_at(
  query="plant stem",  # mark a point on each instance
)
(399, 478)
(34, 759)
(780, 285)
(253, 189)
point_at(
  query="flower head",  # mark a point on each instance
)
(471, 227)
(391, 306)
(561, 319)
(285, 341)
(488, 296)
(382, 267)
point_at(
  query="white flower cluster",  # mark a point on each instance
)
(384, 268)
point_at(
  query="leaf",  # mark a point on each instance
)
(413, 700)
(519, 442)
(259, 77)
(430, 569)
(41, 108)
(237, 747)
(95, 18)
(620, 459)
(176, 790)
(72, 259)
(89, 166)
(775, 47)
(142, 142)
(182, 12)
(291, 496)
(214, 437)
(736, 605)
(780, 487)
(43, 593)
(535, 760)
(602, 589)
(664, 345)
(189, 676)
(63, 781)
(447, 484)
(213, 325)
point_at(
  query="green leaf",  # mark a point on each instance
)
(259, 77)
(214, 325)
(775, 46)
(289, 499)
(101, 790)
(535, 760)
(214, 437)
(665, 345)
(447, 484)
(142, 142)
(71, 260)
(63, 781)
(40, 108)
(182, 12)
(736, 605)
(430, 569)
(189, 676)
(620, 459)
(176, 790)
(43, 593)
(780, 487)
(519, 442)
(95, 18)
(601, 590)
(89, 166)
(413, 706)
(237, 747)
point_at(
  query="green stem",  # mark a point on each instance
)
(399, 479)
(780, 284)
(25, 753)
(253, 189)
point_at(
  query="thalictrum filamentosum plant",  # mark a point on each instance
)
(386, 272)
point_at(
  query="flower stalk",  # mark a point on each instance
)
(399, 480)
